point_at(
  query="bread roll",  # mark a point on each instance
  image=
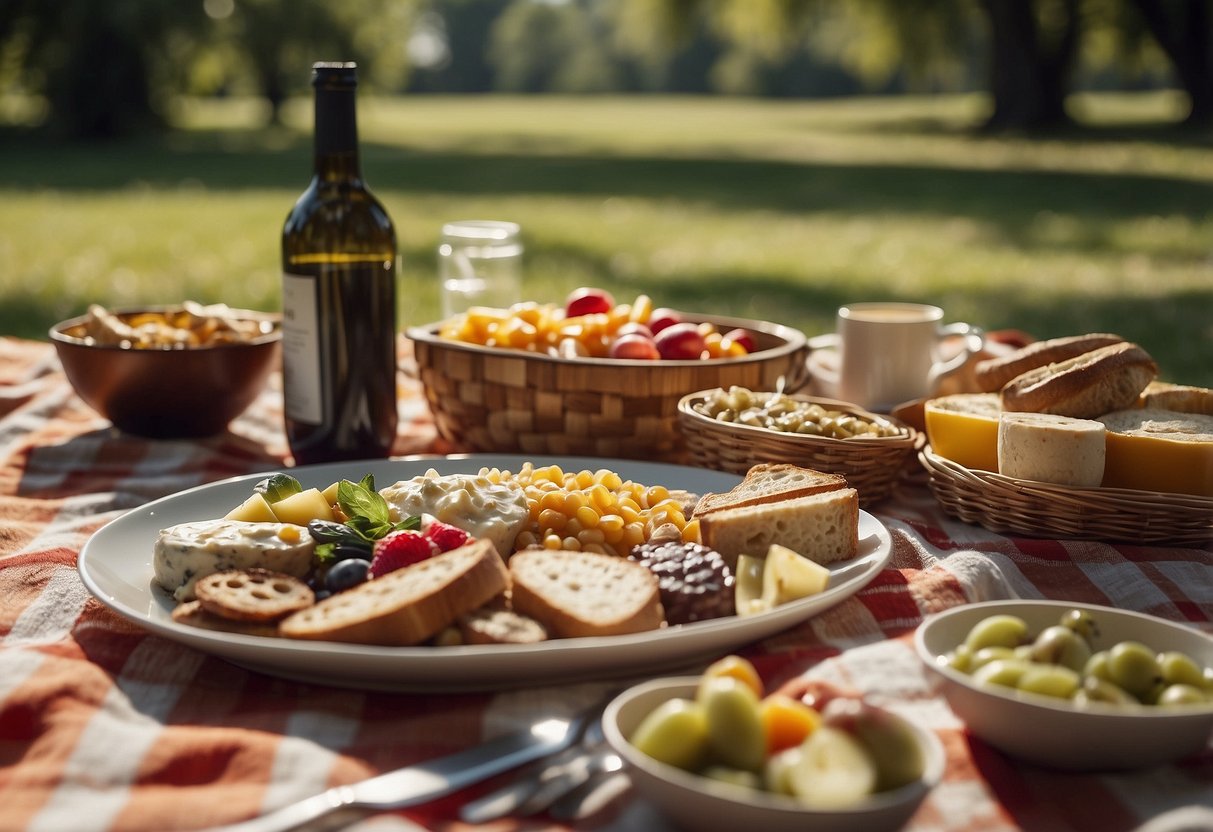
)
(769, 483)
(822, 527)
(1054, 449)
(574, 594)
(1097, 382)
(993, 373)
(1159, 450)
(964, 428)
(409, 605)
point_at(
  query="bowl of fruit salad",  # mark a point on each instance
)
(591, 376)
(1074, 686)
(718, 752)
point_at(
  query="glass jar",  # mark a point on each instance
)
(479, 264)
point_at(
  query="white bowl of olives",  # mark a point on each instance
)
(715, 752)
(1074, 686)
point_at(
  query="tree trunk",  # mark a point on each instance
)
(1028, 76)
(1187, 39)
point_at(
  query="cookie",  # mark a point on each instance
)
(253, 594)
(192, 614)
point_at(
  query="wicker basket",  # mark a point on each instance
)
(1037, 509)
(871, 465)
(495, 400)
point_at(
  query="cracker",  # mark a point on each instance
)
(192, 614)
(253, 594)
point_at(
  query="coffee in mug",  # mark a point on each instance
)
(890, 353)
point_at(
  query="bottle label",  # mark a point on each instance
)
(301, 385)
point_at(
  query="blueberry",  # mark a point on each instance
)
(347, 573)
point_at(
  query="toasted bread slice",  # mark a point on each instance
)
(577, 594)
(771, 483)
(409, 605)
(822, 527)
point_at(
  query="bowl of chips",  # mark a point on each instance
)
(169, 372)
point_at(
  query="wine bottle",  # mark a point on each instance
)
(338, 295)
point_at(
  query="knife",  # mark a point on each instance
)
(424, 782)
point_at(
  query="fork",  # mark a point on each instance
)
(537, 786)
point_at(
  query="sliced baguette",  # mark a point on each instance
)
(1097, 382)
(822, 527)
(409, 605)
(771, 483)
(993, 373)
(576, 594)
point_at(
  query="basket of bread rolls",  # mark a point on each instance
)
(1075, 437)
(734, 428)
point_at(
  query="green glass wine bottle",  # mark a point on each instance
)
(338, 295)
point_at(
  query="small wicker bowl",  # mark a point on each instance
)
(871, 465)
(495, 400)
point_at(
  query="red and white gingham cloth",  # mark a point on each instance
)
(104, 726)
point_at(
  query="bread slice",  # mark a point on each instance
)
(821, 527)
(409, 605)
(576, 594)
(1097, 382)
(770, 483)
(993, 373)
(497, 623)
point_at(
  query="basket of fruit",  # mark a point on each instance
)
(590, 377)
(732, 429)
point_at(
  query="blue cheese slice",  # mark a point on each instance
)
(1053, 449)
(189, 551)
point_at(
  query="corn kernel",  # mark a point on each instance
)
(289, 534)
(587, 517)
(555, 520)
(571, 543)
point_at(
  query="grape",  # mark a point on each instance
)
(1082, 623)
(1061, 645)
(1179, 668)
(346, 574)
(1099, 690)
(1181, 694)
(734, 724)
(1050, 680)
(997, 631)
(1004, 672)
(675, 733)
(988, 654)
(960, 659)
(1097, 666)
(1134, 667)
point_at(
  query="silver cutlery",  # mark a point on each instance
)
(427, 781)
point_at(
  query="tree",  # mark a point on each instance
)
(1184, 30)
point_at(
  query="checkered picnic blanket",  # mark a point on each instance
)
(105, 726)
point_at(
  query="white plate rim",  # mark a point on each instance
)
(115, 557)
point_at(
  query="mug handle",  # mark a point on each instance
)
(974, 342)
(828, 341)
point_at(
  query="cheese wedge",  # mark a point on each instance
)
(1054, 449)
(964, 428)
(1159, 450)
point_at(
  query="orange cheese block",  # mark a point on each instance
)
(964, 428)
(1159, 450)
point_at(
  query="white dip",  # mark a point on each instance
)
(482, 508)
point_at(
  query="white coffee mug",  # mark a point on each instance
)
(890, 353)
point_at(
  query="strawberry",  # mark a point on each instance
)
(445, 536)
(400, 549)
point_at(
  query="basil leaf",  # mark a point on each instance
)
(367, 512)
(277, 487)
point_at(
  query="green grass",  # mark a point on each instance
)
(777, 210)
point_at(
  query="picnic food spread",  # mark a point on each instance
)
(189, 325)
(503, 557)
